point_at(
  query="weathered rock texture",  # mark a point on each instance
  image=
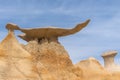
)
(35, 61)
(15, 62)
(92, 69)
(47, 60)
(54, 58)
(51, 34)
(109, 63)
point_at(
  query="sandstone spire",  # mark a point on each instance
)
(109, 58)
(109, 63)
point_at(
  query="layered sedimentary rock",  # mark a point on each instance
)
(44, 58)
(54, 58)
(15, 62)
(48, 53)
(38, 60)
(18, 64)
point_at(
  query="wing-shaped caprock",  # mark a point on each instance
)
(38, 33)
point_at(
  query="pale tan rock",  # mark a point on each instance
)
(15, 62)
(90, 63)
(45, 59)
(48, 52)
(48, 59)
(92, 69)
(54, 59)
(12, 47)
(109, 63)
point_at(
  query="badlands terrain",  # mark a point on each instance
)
(50, 61)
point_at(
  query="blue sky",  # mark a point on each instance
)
(101, 34)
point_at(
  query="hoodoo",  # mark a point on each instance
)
(109, 58)
(42, 58)
(109, 61)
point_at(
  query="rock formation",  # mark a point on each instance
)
(44, 58)
(92, 69)
(91, 63)
(54, 58)
(50, 34)
(15, 62)
(109, 61)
